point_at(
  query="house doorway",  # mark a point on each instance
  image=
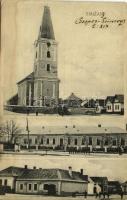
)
(51, 188)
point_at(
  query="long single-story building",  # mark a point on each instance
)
(78, 137)
(44, 181)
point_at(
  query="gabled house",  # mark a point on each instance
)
(92, 185)
(115, 104)
(8, 177)
(73, 101)
(99, 184)
(44, 181)
(114, 187)
(119, 104)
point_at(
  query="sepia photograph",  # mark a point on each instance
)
(63, 109)
(66, 58)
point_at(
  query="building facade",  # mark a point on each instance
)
(41, 87)
(65, 138)
(115, 104)
(44, 181)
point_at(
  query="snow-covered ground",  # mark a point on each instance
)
(39, 197)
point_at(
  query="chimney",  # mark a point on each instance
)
(25, 166)
(34, 167)
(99, 125)
(81, 171)
(70, 170)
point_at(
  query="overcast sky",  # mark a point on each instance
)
(90, 61)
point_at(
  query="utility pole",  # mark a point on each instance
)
(28, 133)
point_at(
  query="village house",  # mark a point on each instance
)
(114, 187)
(73, 101)
(8, 177)
(44, 181)
(115, 104)
(97, 185)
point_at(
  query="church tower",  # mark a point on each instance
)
(46, 82)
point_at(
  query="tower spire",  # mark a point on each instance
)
(46, 28)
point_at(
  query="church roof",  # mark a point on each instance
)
(30, 76)
(46, 28)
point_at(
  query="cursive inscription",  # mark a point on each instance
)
(99, 20)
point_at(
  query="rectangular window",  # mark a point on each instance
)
(114, 143)
(35, 187)
(106, 142)
(36, 141)
(54, 141)
(41, 140)
(98, 142)
(21, 186)
(76, 141)
(122, 141)
(30, 141)
(29, 186)
(61, 141)
(90, 141)
(69, 141)
(0, 182)
(5, 182)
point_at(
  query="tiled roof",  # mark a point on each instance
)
(73, 97)
(61, 130)
(117, 97)
(30, 76)
(12, 171)
(51, 174)
(39, 174)
(120, 98)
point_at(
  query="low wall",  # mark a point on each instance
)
(31, 109)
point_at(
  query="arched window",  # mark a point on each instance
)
(36, 54)
(48, 54)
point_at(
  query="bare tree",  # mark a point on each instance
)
(11, 130)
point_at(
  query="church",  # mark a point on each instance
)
(41, 87)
